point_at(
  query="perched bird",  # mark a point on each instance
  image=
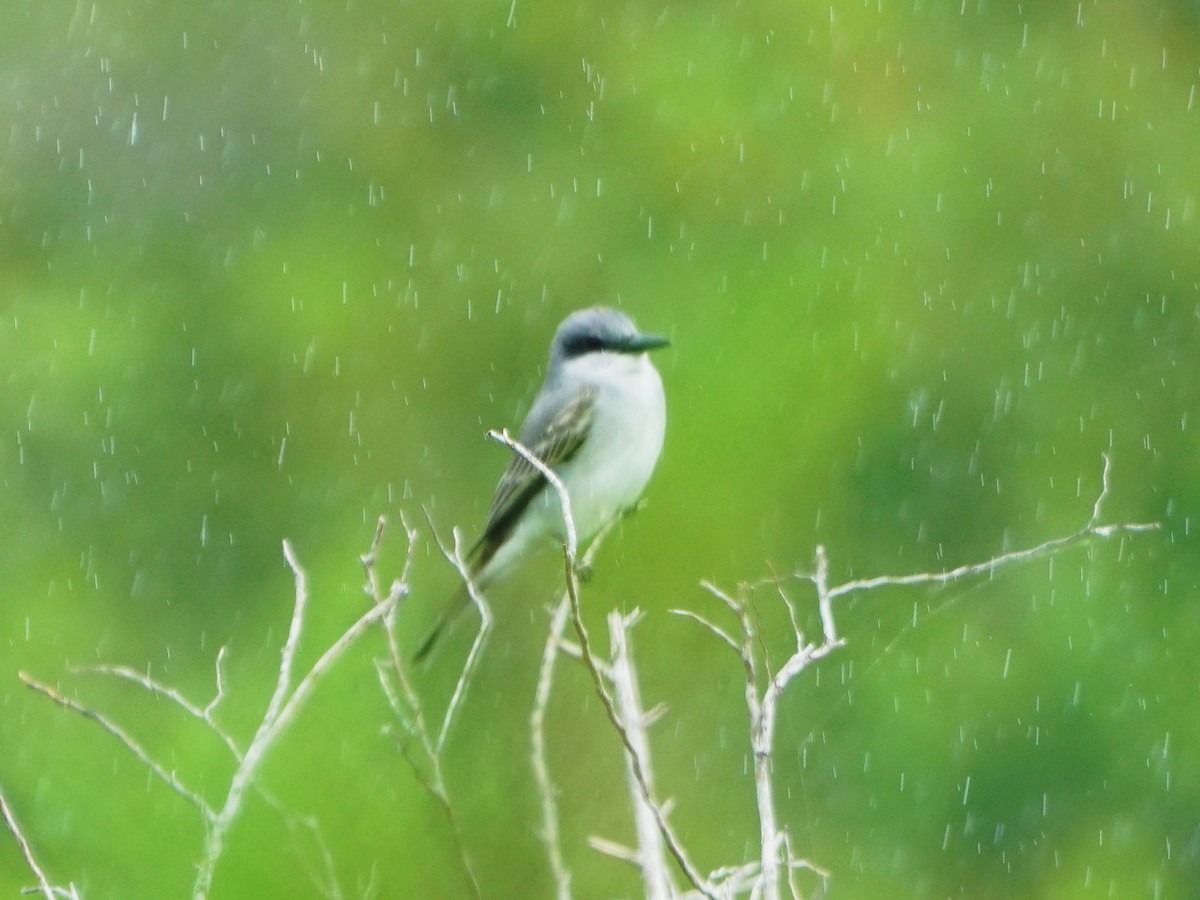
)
(597, 422)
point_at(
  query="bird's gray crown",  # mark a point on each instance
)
(598, 329)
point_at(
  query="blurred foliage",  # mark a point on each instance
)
(270, 270)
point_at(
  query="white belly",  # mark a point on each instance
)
(609, 472)
(611, 469)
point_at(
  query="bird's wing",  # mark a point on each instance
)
(553, 436)
(553, 443)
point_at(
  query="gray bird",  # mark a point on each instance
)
(598, 423)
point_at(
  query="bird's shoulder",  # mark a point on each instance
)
(554, 430)
(558, 422)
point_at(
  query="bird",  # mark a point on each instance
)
(598, 423)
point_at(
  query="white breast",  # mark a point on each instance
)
(611, 469)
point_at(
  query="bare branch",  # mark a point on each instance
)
(794, 865)
(159, 689)
(734, 606)
(762, 704)
(656, 878)
(592, 663)
(824, 597)
(549, 474)
(321, 667)
(986, 567)
(615, 850)
(284, 707)
(455, 558)
(594, 669)
(167, 777)
(777, 583)
(324, 875)
(284, 681)
(220, 694)
(370, 560)
(412, 710)
(1094, 520)
(555, 644)
(406, 703)
(47, 890)
(715, 629)
(547, 791)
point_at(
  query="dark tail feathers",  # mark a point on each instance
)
(453, 609)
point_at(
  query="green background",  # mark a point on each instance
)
(269, 270)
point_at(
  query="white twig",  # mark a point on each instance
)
(547, 791)
(205, 715)
(220, 694)
(762, 693)
(615, 850)
(715, 629)
(283, 708)
(549, 474)
(455, 558)
(760, 706)
(47, 890)
(656, 877)
(324, 876)
(1091, 529)
(321, 667)
(288, 655)
(159, 689)
(285, 705)
(406, 703)
(167, 777)
(824, 597)
(210, 816)
(595, 667)
(794, 865)
(1094, 520)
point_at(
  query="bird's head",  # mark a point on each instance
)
(600, 329)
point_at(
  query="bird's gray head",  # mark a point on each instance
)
(599, 329)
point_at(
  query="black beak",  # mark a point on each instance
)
(643, 342)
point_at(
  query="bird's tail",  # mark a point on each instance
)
(454, 607)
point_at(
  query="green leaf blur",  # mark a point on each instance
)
(270, 270)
